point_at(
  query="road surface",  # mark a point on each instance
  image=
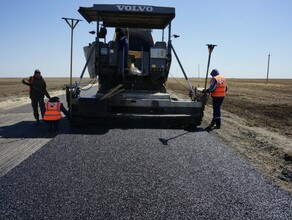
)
(127, 172)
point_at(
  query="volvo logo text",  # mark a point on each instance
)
(134, 8)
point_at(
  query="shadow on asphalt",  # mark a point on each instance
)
(31, 129)
(130, 124)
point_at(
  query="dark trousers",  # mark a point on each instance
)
(35, 103)
(53, 125)
(217, 102)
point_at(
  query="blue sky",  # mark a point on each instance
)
(33, 35)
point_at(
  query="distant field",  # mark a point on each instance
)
(268, 105)
(14, 87)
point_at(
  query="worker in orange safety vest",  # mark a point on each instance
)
(218, 89)
(53, 113)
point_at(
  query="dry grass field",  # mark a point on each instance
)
(256, 119)
(13, 88)
(264, 105)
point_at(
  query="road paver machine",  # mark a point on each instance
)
(132, 80)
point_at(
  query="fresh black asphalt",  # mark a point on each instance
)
(132, 172)
(138, 173)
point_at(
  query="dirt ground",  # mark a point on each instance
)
(256, 119)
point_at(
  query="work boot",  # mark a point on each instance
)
(218, 124)
(212, 124)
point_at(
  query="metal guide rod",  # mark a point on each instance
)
(210, 49)
(191, 88)
(72, 25)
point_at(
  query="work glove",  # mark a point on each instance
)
(26, 82)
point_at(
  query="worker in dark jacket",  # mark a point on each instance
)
(218, 89)
(123, 47)
(53, 113)
(37, 91)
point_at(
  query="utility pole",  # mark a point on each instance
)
(72, 22)
(268, 69)
(199, 71)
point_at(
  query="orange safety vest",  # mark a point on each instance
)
(220, 90)
(53, 112)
